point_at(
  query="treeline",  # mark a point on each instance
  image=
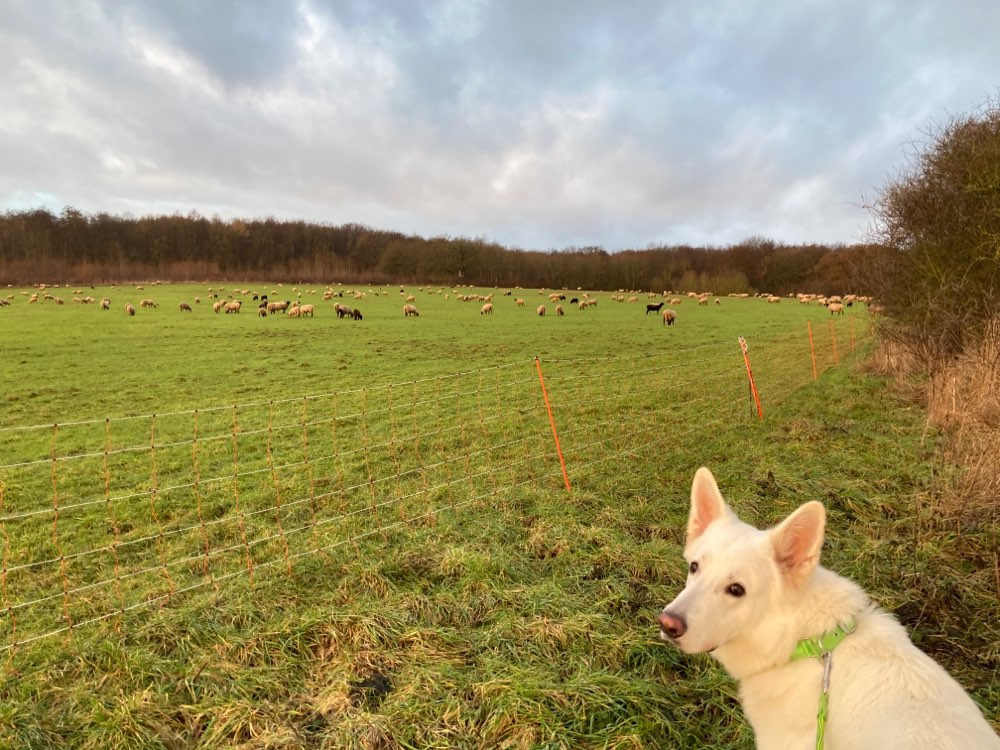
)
(38, 246)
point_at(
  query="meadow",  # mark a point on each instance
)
(233, 531)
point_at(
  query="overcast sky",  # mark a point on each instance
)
(530, 123)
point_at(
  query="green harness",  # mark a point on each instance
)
(821, 647)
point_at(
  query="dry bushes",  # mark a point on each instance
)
(962, 398)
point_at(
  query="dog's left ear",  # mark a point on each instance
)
(798, 539)
(707, 505)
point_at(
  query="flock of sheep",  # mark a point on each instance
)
(232, 302)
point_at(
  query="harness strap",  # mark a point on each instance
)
(821, 647)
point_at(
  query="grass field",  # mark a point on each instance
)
(228, 531)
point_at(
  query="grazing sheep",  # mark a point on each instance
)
(217, 306)
(410, 298)
(409, 310)
(147, 303)
(773, 300)
(105, 304)
(835, 308)
(356, 314)
(185, 307)
(294, 311)
(541, 310)
(274, 307)
(654, 308)
(233, 307)
(669, 316)
(574, 301)
(129, 309)
(519, 302)
(486, 309)
(262, 311)
(717, 301)
(676, 301)
(559, 310)
(306, 310)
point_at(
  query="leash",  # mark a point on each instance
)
(821, 647)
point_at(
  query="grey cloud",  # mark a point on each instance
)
(534, 124)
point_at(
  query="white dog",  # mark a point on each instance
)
(784, 627)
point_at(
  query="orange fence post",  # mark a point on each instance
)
(552, 422)
(753, 386)
(812, 348)
(833, 338)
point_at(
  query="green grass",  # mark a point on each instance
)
(421, 577)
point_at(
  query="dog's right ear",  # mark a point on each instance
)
(707, 505)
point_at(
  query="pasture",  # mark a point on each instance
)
(234, 531)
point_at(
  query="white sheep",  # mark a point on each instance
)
(559, 310)
(409, 310)
(306, 310)
(486, 309)
(541, 310)
(129, 309)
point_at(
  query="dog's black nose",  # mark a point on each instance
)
(673, 625)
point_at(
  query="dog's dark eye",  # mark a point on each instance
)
(735, 589)
(693, 567)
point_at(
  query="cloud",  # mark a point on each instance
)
(538, 125)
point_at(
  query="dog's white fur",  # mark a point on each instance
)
(884, 692)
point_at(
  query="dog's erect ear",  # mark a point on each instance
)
(798, 539)
(707, 504)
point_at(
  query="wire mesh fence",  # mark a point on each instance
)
(103, 517)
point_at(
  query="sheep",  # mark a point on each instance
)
(519, 302)
(574, 301)
(409, 310)
(541, 310)
(654, 308)
(676, 301)
(262, 310)
(559, 310)
(185, 307)
(356, 314)
(129, 309)
(147, 303)
(410, 299)
(105, 304)
(306, 310)
(294, 311)
(217, 306)
(772, 300)
(835, 308)
(669, 316)
(718, 301)
(486, 309)
(274, 307)
(232, 307)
